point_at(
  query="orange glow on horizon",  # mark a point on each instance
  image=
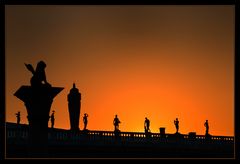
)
(131, 67)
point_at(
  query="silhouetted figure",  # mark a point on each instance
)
(39, 76)
(18, 117)
(52, 119)
(85, 120)
(116, 122)
(176, 123)
(146, 125)
(38, 99)
(74, 105)
(207, 127)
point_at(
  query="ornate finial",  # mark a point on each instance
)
(74, 86)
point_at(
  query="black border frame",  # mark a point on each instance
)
(236, 3)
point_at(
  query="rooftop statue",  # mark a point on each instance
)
(39, 76)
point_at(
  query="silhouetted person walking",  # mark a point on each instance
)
(52, 119)
(116, 122)
(85, 120)
(146, 124)
(18, 117)
(207, 127)
(176, 123)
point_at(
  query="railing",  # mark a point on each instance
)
(60, 136)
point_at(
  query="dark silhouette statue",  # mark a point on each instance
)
(74, 105)
(38, 99)
(85, 121)
(207, 127)
(39, 76)
(176, 123)
(52, 119)
(147, 125)
(116, 123)
(18, 115)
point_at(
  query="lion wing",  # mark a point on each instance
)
(30, 68)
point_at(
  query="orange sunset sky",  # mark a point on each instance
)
(159, 62)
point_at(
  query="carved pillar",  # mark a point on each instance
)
(74, 105)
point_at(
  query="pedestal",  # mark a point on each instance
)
(38, 101)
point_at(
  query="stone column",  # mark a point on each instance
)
(38, 101)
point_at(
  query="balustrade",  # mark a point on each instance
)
(109, 136)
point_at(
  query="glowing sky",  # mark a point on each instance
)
(159, 62)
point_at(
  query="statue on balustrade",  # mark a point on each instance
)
(52, 119)
(116, 123)
(207, 127)
(85, 121)
(18, 117)
(147, 125)
(176, 123)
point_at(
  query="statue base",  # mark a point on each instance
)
(38, 101)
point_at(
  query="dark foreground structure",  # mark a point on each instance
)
(109, 144)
